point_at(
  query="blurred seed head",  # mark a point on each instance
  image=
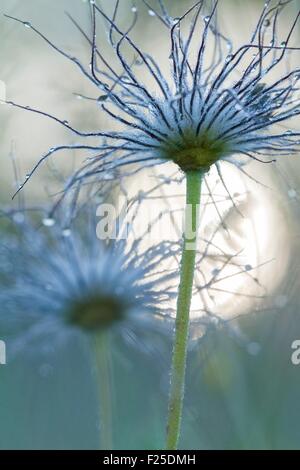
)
(58, 282)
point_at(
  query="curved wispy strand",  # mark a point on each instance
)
(229, 100)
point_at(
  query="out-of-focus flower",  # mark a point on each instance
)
(224, 105)
(58, 280)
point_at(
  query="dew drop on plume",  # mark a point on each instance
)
(48, 222)
(66, 232)
(253, 348)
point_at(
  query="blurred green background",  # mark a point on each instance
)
(234, 399)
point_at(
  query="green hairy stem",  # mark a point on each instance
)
(193, 193)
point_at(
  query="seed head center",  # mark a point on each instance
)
(96, 312)
(191, 151)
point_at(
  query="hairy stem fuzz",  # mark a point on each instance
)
(193, 193)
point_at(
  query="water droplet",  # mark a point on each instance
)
(51, 149)
(134, 9)
(253, 348)
(151, 13)
(27, 24)
(206, 19)
(283, 44)
(248, 267)
(215, 272)
(215, 321)
(108, 176)
(141, 194)
(175, 21)
(289, 132)
(267, 23)
(139, 62)
(66, 232)
(176, 98)
(292, 193)
(48, 222)
(229, 58)
(65, 122)
(18, 218)
(102, 98)
(239, 107)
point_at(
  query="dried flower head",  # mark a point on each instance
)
(217, 103)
